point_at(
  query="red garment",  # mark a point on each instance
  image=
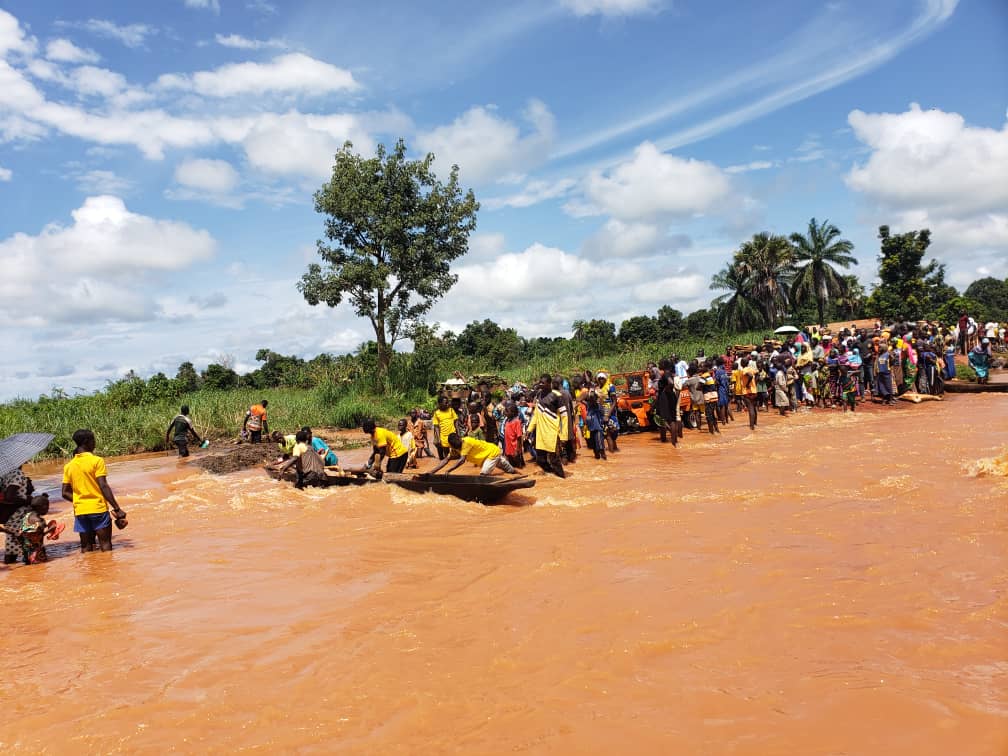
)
(513, 437)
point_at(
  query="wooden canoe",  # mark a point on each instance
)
(965, 387)
(484, 489)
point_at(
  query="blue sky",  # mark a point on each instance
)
(157, 160)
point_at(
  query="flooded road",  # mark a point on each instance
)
(828, 585)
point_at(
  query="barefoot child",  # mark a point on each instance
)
(85, 483)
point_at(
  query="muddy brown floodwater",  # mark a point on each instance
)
(828, 585)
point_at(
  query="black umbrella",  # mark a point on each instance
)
(17, 449)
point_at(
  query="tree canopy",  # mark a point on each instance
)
(392, 230)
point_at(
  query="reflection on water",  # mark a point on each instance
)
(829, 584)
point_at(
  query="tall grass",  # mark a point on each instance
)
(129, 417)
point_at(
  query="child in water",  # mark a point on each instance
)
(848, 385)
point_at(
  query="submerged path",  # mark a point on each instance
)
(829, 584)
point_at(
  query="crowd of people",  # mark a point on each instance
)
(556, 418)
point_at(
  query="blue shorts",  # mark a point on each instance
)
(91, 523)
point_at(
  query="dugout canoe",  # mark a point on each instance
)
(965, 387)
(483, 489)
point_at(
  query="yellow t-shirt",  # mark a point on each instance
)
(445, 421)
(477, 451)
(389, 440)
(82, 473)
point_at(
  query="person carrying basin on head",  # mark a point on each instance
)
(180, 429)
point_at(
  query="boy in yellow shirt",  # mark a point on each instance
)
(85, 483)
(483, 454)
(385, 443)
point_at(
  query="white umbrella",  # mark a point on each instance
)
(787, 329)
(17, 449)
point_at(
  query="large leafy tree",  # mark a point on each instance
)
(392, 230)
(487, 340)
(736, 309)
(815, 254)
(639, 329)
(766, 263)
(991, 292)
(599, 335)
(907, 289)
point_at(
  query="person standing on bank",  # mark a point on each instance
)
(255, 421)
(180, 429)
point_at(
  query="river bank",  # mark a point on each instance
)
(829, 584)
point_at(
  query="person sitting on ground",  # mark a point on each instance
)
(255, 422)
(306, 462)
(407, 439)
(180, 429)
(486, 456)
(85, 483)
(385, 443)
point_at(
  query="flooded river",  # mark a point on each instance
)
(831, 584)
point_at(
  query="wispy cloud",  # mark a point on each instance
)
(755, 165)
(131, 35)
(238, 42)
(823, 47)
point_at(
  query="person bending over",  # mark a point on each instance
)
(385, 443)
(486, 456)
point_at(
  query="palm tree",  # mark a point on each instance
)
(736, 311)
(767, 263)
(820, 249)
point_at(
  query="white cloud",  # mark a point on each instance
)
(211, 5)
(294, 73)
(131, 35)
(617, 239)
(238, 42)
(486, 147)
(215, 176)
(296, 143)
(611, 7)
(755, 165)
(102, 182)
(930, 169)
(681, 287)
(89, 270)
(65, 51)
(6, 174)
(532, 193)
(652, 185)
(931, 159)
(13, 37)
